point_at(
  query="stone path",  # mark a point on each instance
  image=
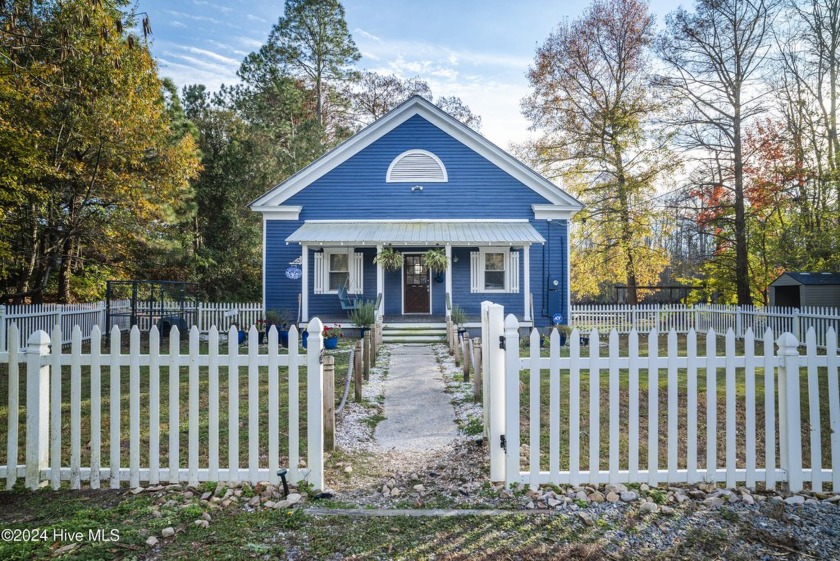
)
(419, 416)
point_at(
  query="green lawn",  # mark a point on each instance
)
(341, 363)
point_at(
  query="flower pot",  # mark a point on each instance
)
(304, 336)
(331, 343)
(283, 337)
(262, 337)
(242, 336)
(439, 276)
(362, 331)
(562, 339)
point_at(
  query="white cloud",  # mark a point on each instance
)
(359, 32)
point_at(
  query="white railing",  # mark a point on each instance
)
(49, 456)
(681, 318)
(33, 317)
(688, 395)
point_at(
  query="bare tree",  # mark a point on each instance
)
(714, 56)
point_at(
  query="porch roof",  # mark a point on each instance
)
(416, 232)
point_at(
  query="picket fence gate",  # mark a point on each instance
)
(502, 365)
(44, 417)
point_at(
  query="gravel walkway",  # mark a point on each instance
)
(418, 414)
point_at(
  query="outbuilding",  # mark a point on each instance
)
(801, 290)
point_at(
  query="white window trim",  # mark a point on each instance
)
(482, 251)
(326, 271)
(416, 151)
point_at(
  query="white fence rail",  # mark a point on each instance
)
(33, 317)
(699, 412)
(681, 318)
(50, 457)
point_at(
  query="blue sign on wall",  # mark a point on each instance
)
(557, 319)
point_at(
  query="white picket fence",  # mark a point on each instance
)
(686, 460)
(681, 318)
(30, 318)
(45, 416)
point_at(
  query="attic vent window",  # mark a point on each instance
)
(416, 166)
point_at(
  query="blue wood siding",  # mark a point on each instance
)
(357, 189)
(477, 189)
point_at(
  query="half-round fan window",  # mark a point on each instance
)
(416, 166)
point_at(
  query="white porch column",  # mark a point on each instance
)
(449, 276)
(304, 283)
(526, 285)
(380, 284)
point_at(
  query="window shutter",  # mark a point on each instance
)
(513, 272)
(476, 272)
(318, 281)
(357, 274)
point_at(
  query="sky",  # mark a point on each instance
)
(479, 51)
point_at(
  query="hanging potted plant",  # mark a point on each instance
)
(437, 262)
(389, 259)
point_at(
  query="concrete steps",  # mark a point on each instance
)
(421, 333)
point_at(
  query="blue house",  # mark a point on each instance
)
(414, 180)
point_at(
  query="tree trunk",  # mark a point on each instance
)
(742, 278)
(64, 271)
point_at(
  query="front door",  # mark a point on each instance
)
(416, 291)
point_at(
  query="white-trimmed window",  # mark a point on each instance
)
(416, 166)
(494, 269)
(335, 268)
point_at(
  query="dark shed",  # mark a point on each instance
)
(800, 290)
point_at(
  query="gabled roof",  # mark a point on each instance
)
(415, 106)
(813, 278)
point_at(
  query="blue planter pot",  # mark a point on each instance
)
(283, 337)
(304, 336)
(242, 336)
(331, 343)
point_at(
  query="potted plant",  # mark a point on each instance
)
(281, 319)
(331, 336)
(565, 334)
(390, 259)
(459, 318)
(364, 316)
(437, 262)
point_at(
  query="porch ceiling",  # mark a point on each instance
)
(360, 233)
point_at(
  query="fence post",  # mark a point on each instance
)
(796, 330)
(511, 400)
(739, 323)
(465, 350)
(315, 404)
(3, 337)
(199, 320)
(495, 366)
(477, 375)
(449, 339)
(790, 436)
(37, 408)
(329, 403)
(366, 360)
(357, 371)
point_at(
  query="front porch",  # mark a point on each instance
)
(484, 260)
